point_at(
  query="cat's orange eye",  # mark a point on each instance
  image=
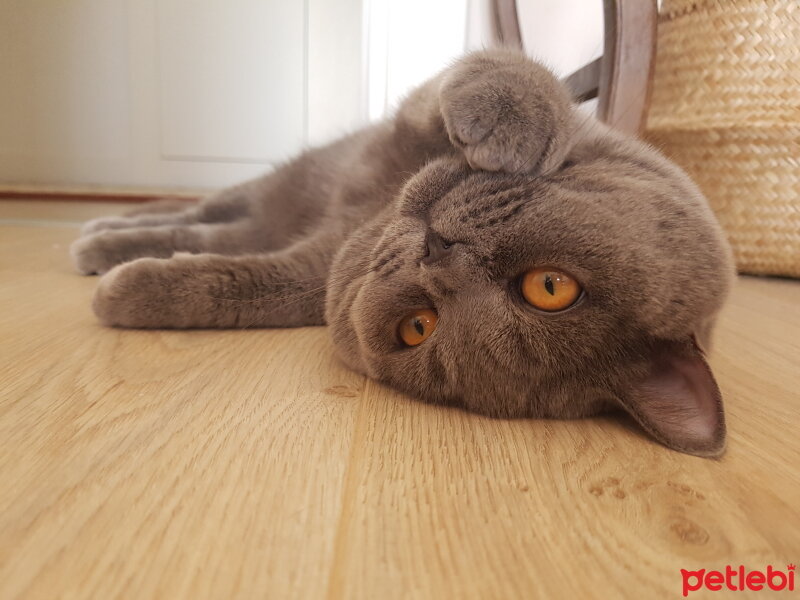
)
(417, 326)
(550, 290)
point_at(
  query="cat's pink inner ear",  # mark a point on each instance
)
(679, 402)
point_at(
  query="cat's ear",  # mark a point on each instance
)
(678, 401)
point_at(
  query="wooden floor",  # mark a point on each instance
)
(249, 464)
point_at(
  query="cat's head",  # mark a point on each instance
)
(560, 295)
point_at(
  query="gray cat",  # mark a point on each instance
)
(487, 247)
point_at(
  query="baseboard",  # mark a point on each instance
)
(8, 192)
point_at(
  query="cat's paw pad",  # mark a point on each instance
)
(91, 255)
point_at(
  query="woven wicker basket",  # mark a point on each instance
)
(726, 107)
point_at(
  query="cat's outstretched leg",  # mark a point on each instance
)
(156, 219)
(167, 212)
(279, 289)
(500, 109)
(99, 252)
(161, 207)
(223, 207)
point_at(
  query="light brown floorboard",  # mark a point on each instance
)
(59, 211)
(250, 464)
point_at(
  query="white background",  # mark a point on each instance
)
(203, 93)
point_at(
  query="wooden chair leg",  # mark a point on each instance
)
(622, 78)
(626, 71)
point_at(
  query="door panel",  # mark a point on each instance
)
(60, 61)
(172, 93)
(231, 81)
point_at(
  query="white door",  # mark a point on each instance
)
(171, 93)
(202, 93)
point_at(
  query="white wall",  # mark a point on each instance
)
(423, 36)
(201, 93)
(172, 93)
(205, 93)
(408, 42)
(564, 34)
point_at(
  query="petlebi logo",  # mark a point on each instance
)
(738, 579)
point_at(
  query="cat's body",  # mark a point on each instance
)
(485, 173)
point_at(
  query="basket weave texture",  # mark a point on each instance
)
(726, 107)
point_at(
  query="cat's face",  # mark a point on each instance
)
(481, 254)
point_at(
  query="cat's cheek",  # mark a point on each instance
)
(345, 341)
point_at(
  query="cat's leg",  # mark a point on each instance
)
(500, 109)
(167, 207)
(157, 219)
(99, 252)
(279, 289)
(224, 206)
(163, 206)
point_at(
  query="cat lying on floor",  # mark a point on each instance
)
(487, 247)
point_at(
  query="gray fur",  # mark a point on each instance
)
(492, 157)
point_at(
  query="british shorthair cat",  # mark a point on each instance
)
(488, 247)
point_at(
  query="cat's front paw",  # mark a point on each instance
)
(506, 113)
(94, 254)
(133, 294)
(100, 224)
(163, 293)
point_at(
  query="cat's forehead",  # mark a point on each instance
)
(524, 208)
(595, 219)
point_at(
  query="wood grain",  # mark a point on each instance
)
(174, 465)
(626, 73)
(250, 464)
(622, 78)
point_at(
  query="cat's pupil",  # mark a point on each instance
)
(548, 285)
(419, 326)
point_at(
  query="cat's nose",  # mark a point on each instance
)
(437, 248)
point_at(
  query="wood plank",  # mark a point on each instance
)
(43, 211)
(160, 464)
(251, 464)
(449, 504)
(626, 73)
(584, 82)
(506, 23)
